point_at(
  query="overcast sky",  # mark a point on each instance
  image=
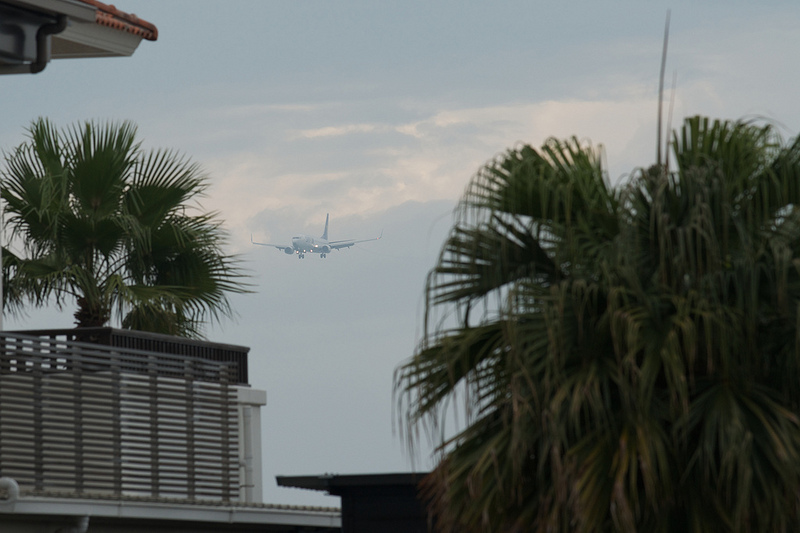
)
(379, 112)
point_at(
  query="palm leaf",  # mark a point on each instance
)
(621, 355)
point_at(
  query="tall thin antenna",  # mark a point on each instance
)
(669, 119)
(661, 90)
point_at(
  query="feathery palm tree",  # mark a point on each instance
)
(111, 225)
(629, 357)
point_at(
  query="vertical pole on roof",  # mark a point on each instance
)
(2, 270)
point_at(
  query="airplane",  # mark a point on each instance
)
(303, 244)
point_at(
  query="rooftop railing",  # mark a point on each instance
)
(153, 342)
(100, 419)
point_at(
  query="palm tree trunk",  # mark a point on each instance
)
(91, 316)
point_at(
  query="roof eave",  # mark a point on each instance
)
(333, 484)
(92, 40)
(74, 9)
(226, 516)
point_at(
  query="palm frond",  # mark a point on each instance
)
(112, 223)
(636, 350)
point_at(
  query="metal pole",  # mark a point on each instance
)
(2, 270)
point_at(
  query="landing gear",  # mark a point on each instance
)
(301, 256)
(322, 256)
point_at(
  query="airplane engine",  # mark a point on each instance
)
(288, 251)
(324, 249)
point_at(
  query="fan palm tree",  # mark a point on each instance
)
(629, 357)
(111, 225)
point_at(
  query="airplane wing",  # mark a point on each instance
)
(287, 249)
(337, 245)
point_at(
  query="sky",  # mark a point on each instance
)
(379, 113)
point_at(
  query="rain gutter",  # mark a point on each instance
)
(42, 48)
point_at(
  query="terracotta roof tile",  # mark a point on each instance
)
(109, 15)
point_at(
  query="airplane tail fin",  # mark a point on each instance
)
(325, 233)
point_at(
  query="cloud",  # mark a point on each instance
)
(252, 110)
(333, 131)
(352, 168)
(347, 159)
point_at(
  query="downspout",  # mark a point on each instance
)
(248, 484)
(42, 48)
(81, 527)
(43, 44)
(12, 488)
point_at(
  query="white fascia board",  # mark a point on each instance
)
(77, 11)
(172, 512)
(250, 396)
(96, 41)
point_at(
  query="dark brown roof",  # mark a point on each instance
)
(335, 483)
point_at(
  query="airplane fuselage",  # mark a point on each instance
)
(303, 244)
(306, 244)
